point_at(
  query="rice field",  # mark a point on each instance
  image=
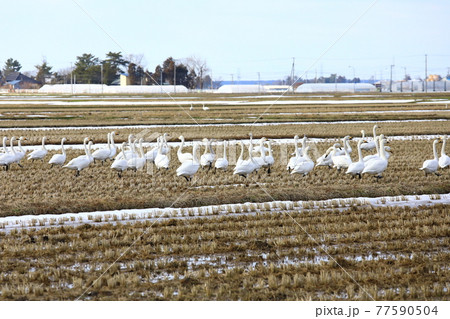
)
(329, 246)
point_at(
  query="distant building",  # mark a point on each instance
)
(335, 87)
(17, 80)
(124, 79)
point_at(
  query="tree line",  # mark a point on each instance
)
(89, 69)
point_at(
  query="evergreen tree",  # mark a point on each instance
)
(11, 66)
(87, 69)
(43, 72)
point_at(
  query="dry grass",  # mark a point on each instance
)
(39, 189)
(392, 253)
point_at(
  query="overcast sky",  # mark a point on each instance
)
(239, 37)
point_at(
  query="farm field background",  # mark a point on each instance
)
(258, 253)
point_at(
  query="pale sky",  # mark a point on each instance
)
(239, 37)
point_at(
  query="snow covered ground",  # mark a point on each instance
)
(156, 214)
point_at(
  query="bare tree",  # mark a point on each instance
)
(199, 66)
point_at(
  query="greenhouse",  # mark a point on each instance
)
(335, 87)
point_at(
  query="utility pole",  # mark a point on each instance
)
(390, 81)
(71, 77)
(101, 75)
(292, 74)
(174, 77)
(426, 75)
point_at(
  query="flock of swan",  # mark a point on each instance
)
(132, 156)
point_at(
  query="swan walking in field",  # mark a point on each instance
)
(208, 156)
(342, 161)
(431, 166)
(189, 168)
(205, 108)
(9, 158)
(104, 153)
(444, 159)
(137, 163)
(183, 157)
(20, 154)
(59, 159)
(222, 162)
(162, 160)
(305, 166)
(120, 164)
(372, 144)
(377, 166)
(81, 162)
(356, 168)
(244, 168)
(39, 153)
(113, 146)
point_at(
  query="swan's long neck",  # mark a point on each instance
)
(303, 145)
(4, 144)
(141, 148)
(375, 131)
(435, 150)
(123, 151)
(12, 146)
(270, 148)
(206, 147)
(305, 154)
(181, 146)
(19, 143)
(194, 153)
(377, 139)
(85, 148)
(43, 143)
(297, 154)
(241, 156)
(109, 142)
(89, 150)
(112, 140)
(345, 146)
(382, 150)
(261, 148)
(62, 147)
(250, 156)
(363, 134)
(360, 157)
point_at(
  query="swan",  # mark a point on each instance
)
(205, 108)
(241, 155)
(372, 144)
(183, 157)
(377, 166)
(257, 149)
(113, 146)
(81, 162)
(189, 168)
(39, 153)
(137, 163)
(306, 166)
(59, 159)
(161, 160)
(120, 164)
(444, 160)
(260, 160)
(151, 154)
(342, 161)
(207, 159)
(103, 153)
(222, 162)
(9, 158)
(356, 168)
(293, 160)
(269, 158)
(4, 145)
(431, 166)
(165, 149)
(325, 159)
(246, 167)
(20, 154)
(192, 107)
(130, 153)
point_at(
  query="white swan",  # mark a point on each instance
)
(260, 160)
(325, 159)
(39, 153)
(20, 154)
(342, 161)
(356, 168)
(377, 166)
(183, 157)
(137, 163)
(4, 145)
(246, 167)
(431, 166)
(120, 164)
(59, 159)
(192, 107)
(9, 158)
(207, 158)
(104, 153)
(189, 168)
(444, 159)
(152, 153)
(269, 158)
(165, 149)
(306, 166)
(113, 146)
(161, 160)
(241, 155)
(222, 162)
(205, 108)
(372, 144)
(130, 153)
(81, 162)
(293, 160)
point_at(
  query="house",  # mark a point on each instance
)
(17, 80)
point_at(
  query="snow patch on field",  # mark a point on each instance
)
(156, 214)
